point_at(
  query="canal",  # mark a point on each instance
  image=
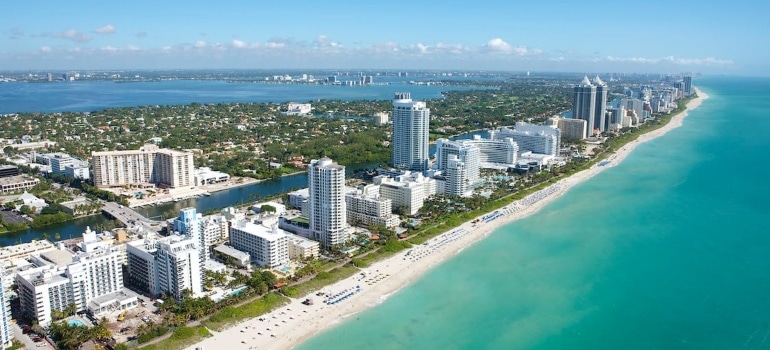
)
(232, 197)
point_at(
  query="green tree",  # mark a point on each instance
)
(25, 209)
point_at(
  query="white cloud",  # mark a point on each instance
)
(133, 48)
(500, 46)
(109, 49)
(239, 44)
(105, 29)
(708, 61)
(200, 44)
(45, 49)
(73, 35)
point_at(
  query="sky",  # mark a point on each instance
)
(655, 36)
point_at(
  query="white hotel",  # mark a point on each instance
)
(408, 190)
(267, 246)
(410, 133)
(65, 278)
(150, 164)
(541, 139)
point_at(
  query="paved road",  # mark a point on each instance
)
(129, 217)
(26, 340)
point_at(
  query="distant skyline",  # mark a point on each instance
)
(586, 36)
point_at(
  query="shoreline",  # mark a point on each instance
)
(293, 324)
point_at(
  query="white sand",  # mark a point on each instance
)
(296, 322)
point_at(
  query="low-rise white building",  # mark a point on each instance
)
(367, 207)
(242, 259)
(302, 248)
(407, 191)
(298, 108)
(31, 201)
(206, 176)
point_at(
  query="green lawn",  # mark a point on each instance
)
(230, 315)
(181, 338)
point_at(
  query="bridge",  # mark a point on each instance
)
(128, 216)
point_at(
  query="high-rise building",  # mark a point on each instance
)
(495, 153)
(204, 231)
(687, 79)
(590, 104)
(600, 115)
(326, 183)
(65, 278)
(468, 154)
(460, 162)
(572, 129)
(6, 335)
(267, 246)
(457, 177)
(167, 265)
(584, 103)
(541, 139)
(149, 164)
(410, 133)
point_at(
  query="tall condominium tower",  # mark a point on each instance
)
(326, 183)
(410, 133)
(687, 79)
(600, 119)
(584, 103)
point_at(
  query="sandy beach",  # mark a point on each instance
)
(291, 325)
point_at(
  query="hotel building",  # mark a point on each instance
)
(542, 139)
(407, 191)
(267, 246)
(150, 164)
(410, 133)
(63, 278)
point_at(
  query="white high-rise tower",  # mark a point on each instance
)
(328, 222)
(410, 133)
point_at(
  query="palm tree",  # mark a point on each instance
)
(57, 236)
(46, 236)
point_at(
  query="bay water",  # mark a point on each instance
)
(668, 250)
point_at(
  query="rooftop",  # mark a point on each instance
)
(58, 257)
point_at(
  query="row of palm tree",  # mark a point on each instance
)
(71, 337)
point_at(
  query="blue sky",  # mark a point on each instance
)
(579, 36)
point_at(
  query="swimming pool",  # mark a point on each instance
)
(77, 323)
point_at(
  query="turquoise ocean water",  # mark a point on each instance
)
(668, 250)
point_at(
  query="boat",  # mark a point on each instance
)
(206, 194)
